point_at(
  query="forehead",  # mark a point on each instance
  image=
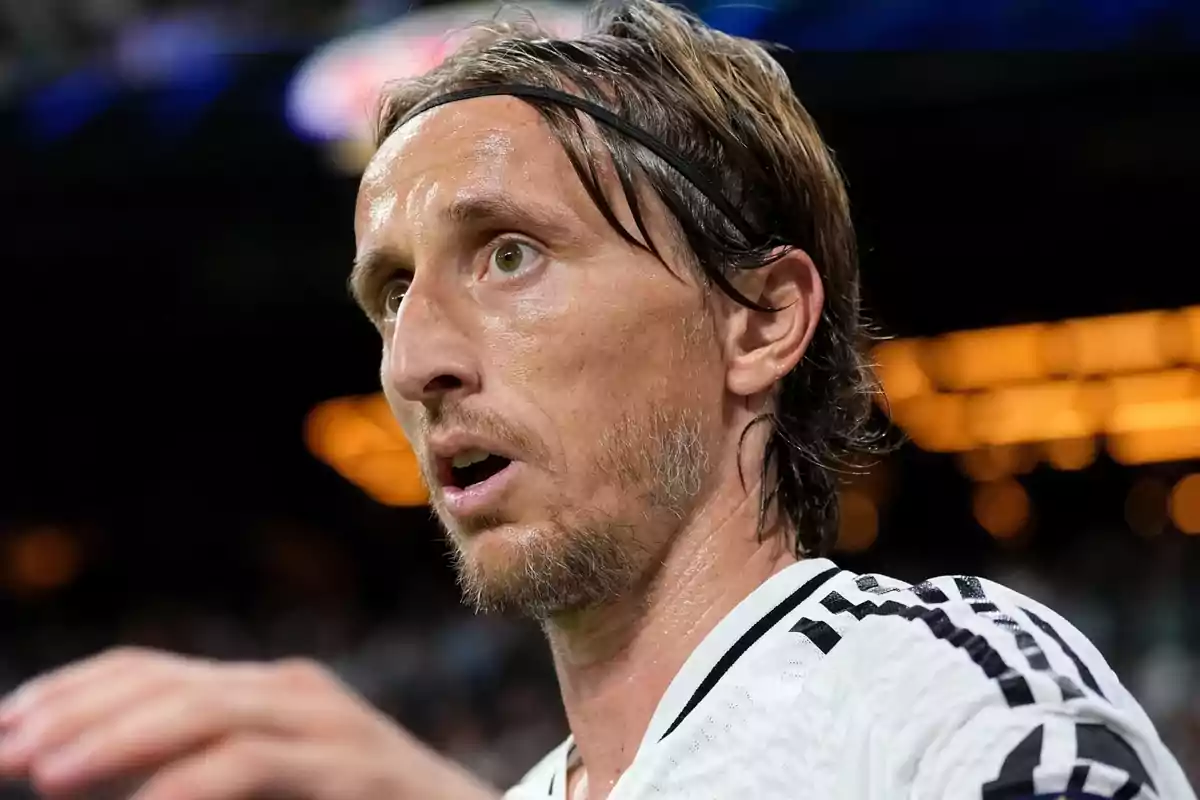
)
(484, 145)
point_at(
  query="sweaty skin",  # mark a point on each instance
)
(596, 357)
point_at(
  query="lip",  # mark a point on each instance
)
(445, 446)
(479, 497)
(471, 500)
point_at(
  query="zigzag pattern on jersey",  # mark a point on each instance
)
(972, 590)
(1105, 767)
(1085, 674)
(1012, 683)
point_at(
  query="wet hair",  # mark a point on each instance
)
(757, 181)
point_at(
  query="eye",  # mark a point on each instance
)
(510, 256)
(393, 294)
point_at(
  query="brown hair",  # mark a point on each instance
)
(725, 106)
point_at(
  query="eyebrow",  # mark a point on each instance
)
(498, 211)
(503, 211)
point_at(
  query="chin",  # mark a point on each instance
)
(496, 548)
(540, 570)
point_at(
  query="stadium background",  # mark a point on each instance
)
(193, 457)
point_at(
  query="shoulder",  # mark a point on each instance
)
(995, 635)
(889, 646)
(925, 658)
(977, 686)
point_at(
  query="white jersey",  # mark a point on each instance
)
(827, 685)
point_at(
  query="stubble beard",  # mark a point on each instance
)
(581, 558)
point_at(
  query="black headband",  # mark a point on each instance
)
(602, 114)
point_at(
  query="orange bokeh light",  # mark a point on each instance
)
(1001, 507)
(859, 525)
(1185, 504)
(359, 437)
(42, 559)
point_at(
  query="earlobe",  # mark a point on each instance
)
(762, 347)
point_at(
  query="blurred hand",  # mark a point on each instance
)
(187, 729)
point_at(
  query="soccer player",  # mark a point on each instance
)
(616, 287)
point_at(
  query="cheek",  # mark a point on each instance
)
(529, 343)
(563, 363)
(642, 354)
(584, 357)
(586, 372)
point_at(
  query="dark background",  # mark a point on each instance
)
(173, 303)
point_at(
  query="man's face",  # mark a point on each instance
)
(562, 388)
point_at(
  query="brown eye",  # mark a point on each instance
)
(510, 256)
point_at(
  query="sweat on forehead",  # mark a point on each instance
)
(447, 152)
(463, 127)
(497, 145)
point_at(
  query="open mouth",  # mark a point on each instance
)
(471, 467)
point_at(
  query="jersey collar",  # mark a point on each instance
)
(731, 637)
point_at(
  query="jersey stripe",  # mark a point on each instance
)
(1012, 684)
(819, 633)
(756, 632)
(837, 604)
(969, 587)
(1028, 646)
(929, 593)
(1016, 689)
(870, 583)
(1085, 674)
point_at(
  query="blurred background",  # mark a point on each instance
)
(194, 455)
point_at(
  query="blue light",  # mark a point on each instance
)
(184, 60)
(179, 103)
(741, 19)
(64, 106)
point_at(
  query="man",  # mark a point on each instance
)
(618, 300)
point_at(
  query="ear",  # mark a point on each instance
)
(761, 347)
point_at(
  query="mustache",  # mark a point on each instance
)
(482, 423)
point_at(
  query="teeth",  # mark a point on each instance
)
(469, 457)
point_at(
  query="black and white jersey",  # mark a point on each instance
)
(828, 685)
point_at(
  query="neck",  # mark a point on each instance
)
(615, 662)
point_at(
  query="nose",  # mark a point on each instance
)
(429, 356)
